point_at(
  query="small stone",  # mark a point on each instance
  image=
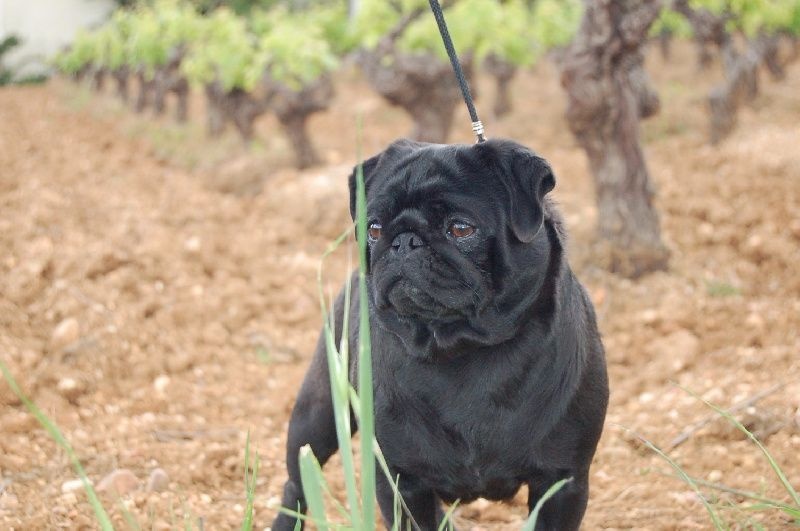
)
(68, 498)
(179, 362)
(273, 502)
(120, 482)
(65, 334)
(161, 525)
(72, 485)
(598, 296)
(685, 498)
(158, 481)
(714, 476)
(649, 316)
(192, 245)
(754, 320)
(70, 388)
(160, 383)
(706, 230)
(646, 397)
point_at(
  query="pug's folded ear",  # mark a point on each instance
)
(372, 167)
(528, 179)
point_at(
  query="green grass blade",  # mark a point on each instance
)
(447, 521)
(250, 485)
(530, 524)
(188, 518)
(718, 524)
(396, 510)
(792, 512)
(772, 463)
(338, 375)
(344, 343)
(340, 386)
(99, 512)
(297, 515)
(367, 413)
(311, 476)
(766, 502)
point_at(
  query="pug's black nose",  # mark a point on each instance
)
(407, 241)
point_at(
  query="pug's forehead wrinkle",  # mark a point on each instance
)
(410, 219)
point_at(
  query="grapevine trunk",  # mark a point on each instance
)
(609, 93)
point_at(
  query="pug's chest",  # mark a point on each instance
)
(461, 450)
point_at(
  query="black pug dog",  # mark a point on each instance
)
(489, 372)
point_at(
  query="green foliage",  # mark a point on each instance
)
(335, 27)
(6, 45)
(110, 48)
(555, 22)
(224, 51)
(377, 17)
(294, 48)
(753, 16)
(158, 30)
(145, 48)
(672, 22)
(509, 30)
(472, 25)
(295, 51)
(81, 54)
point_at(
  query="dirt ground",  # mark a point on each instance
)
(158, 299)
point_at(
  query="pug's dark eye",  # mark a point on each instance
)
(460, 229)
(374, 231)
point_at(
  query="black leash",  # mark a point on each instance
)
(477, 125)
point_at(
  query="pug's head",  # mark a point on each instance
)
(459, 252)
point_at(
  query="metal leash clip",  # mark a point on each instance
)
(477, 125)
(477, 128)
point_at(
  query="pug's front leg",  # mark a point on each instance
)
(421, 501)
(312, 423)
(564, 511)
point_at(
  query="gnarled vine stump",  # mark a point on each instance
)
(293, 108)
(420, 84)
(121, 76)
(503, 73)
(236, 106)
(609, 92)
(144, 96)
(169, 80)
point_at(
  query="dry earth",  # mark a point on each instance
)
(158, 300)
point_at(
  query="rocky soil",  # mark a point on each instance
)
(158, 300)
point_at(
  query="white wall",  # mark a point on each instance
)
(46, 26)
